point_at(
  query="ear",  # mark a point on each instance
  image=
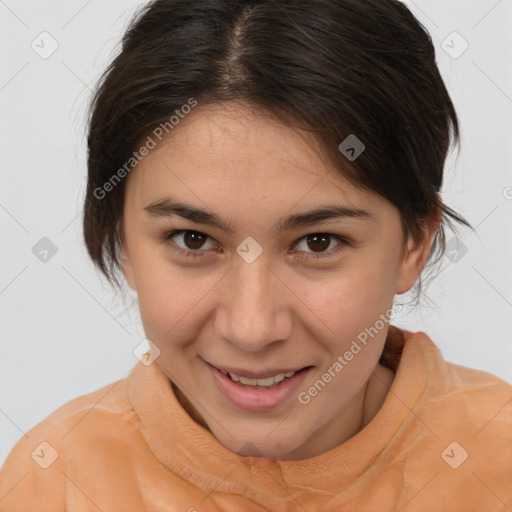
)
(416, 255)
(124, 259)
(127, 268)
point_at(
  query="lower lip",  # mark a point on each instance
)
(252, 399)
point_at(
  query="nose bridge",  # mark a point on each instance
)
(253, 306)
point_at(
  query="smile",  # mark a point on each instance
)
(253, 392)
(264, 383)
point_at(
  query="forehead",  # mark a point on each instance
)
(239, 137)
(220, 153)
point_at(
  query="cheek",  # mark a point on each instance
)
(350, 302)
(170, 300)
(371, 283)
(352, 334)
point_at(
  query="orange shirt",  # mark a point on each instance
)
(442, 441)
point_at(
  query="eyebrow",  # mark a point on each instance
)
(167, 208)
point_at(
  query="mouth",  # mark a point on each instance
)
(256, 392)
(261, 382)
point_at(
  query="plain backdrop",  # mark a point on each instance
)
(64, 333)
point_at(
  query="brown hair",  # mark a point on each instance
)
(330, 67)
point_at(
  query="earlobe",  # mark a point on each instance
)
(409, 271)
(416, 258)
(124, 259)
(127, 268)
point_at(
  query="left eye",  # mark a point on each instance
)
(322, 241)
(193, 241)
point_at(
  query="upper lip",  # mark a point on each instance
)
(264, 374)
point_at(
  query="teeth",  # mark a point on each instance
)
(270, 381)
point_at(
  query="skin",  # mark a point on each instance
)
(285, 309)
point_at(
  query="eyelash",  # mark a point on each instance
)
(199, 254)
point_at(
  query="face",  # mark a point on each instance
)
(256, 288)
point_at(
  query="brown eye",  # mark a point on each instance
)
(189, 243)
(318, 242)
(316, 245)
(194, 240)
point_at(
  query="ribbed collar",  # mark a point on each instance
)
(191, 451)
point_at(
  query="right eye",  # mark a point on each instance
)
(189, 239)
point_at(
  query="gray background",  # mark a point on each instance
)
(64, 333)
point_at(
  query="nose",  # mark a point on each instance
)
(254, 310)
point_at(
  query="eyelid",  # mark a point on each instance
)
(343, 243)
(171, 234)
